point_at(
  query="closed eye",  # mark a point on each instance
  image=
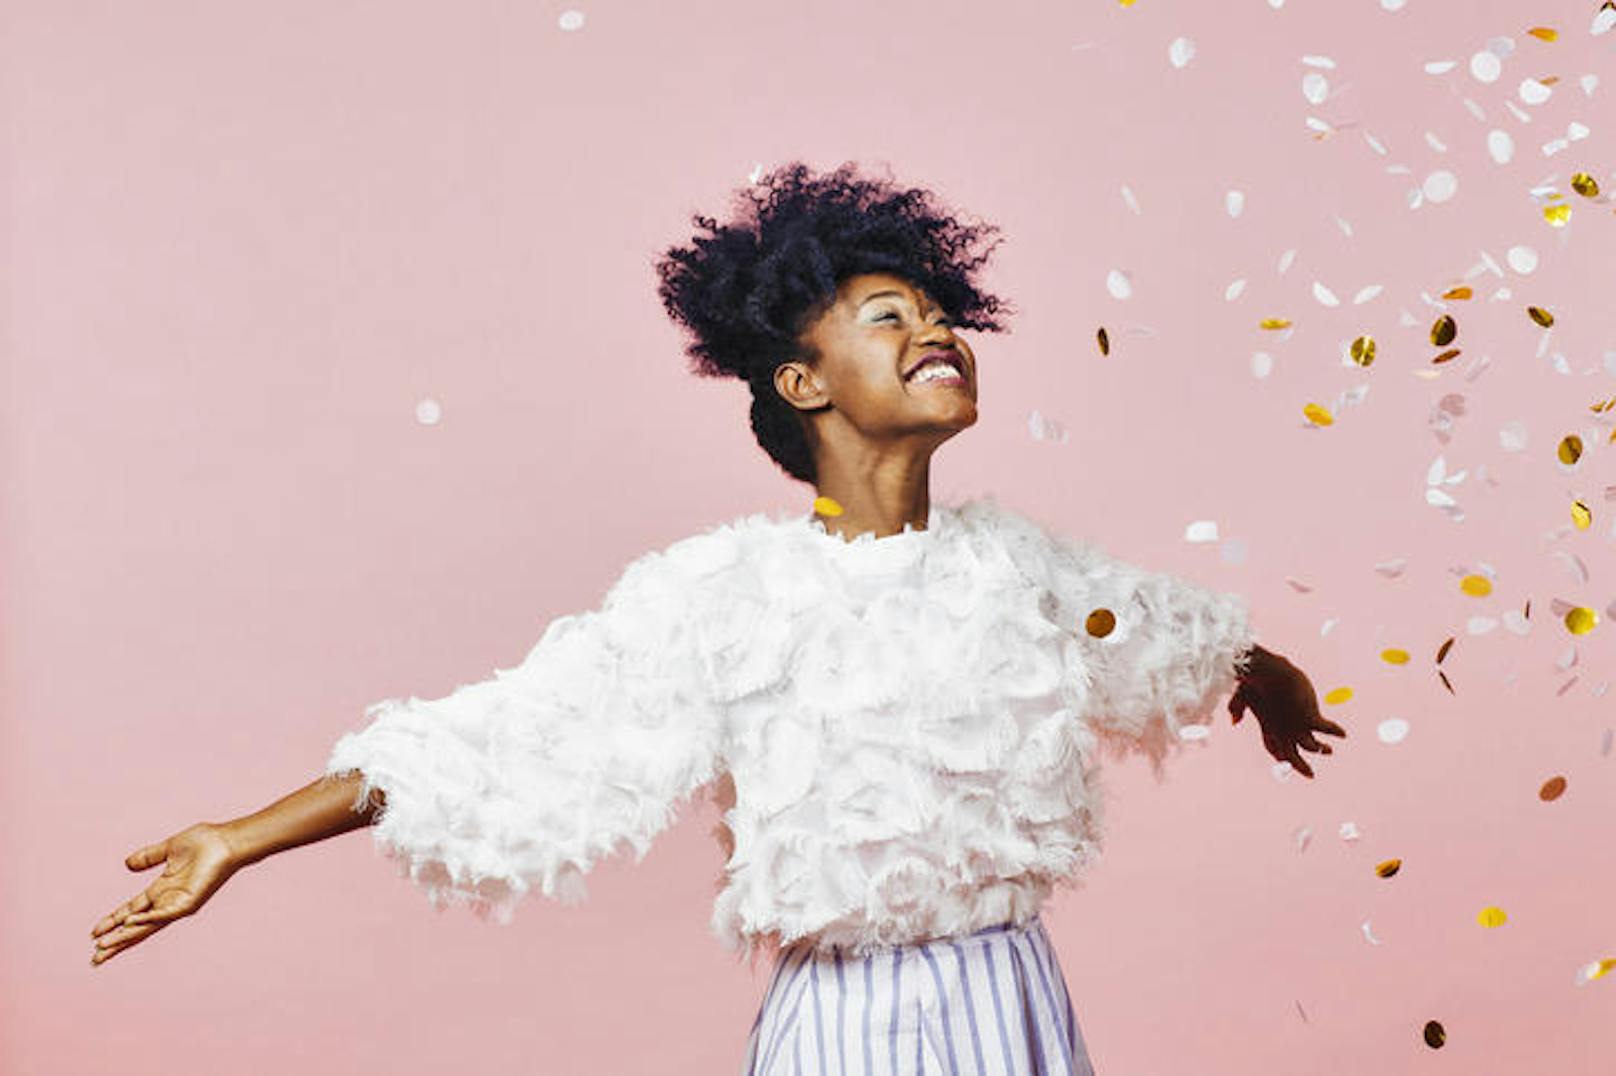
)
(889, 314)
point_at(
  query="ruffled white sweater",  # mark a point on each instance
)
(903, 731)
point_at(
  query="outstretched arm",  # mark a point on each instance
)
(1286, 706)
(199, 859)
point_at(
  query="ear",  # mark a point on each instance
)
(799, 385)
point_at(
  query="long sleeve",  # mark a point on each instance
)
(1159, 651)
(1146, 653)
(523, 781)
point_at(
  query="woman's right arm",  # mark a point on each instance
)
(201, 858)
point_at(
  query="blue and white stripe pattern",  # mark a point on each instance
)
(992, 1003)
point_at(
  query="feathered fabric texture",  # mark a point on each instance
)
(908, 726)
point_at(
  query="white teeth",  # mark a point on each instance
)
(936, 370)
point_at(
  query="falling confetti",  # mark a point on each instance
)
(1389, 868)
(826, 506)
(1552, 789)
(1118, 284)
(1104, 339)
(1392, 730)
(1100, 623)
(1434, 1035)
(1491, 917)
(571, 19)
(1181, 51)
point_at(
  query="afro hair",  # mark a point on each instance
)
(747, 290)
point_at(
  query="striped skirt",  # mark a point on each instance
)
(992, 1002)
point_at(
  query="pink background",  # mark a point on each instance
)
(243, 242)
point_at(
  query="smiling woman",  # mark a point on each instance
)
(825, 293)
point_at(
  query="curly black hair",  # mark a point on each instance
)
(747, 290)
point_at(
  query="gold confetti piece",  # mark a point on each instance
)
(1544, 33)
(1602, 968)
(1446, 683)
(1444, 330)
(1461, 292)
(1105, 341)
(1434, 1035)
(1318, 415)
(1581, 620)
(1585, 185)
(1541, 316)
(1581, 515)
(1274, 323)
(1100, 623)
(1363, 350)
(1603, 405)
(1557, 215)
(1477, 586)
(1447, 356)
(1128, 3)
(1552, 789)
(1442, 653)
(1394, 657)
(1492, 917)
(1570, 450)
(825, 506)
(1388, 868)
(1337, 695)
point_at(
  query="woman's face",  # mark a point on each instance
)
(863, 393)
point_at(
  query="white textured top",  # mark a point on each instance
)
(903, 730)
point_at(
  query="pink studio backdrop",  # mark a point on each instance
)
(244, 244)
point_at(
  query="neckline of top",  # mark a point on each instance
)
(910, 534)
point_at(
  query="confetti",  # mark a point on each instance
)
(1534, 92)
(1461, 292)
(1501, 146)
(1100, 623)
(1104, 339)
(1552, 789)
(1540, 315)
(1317, 415)
(1234, 203)
(1477, 586)
(1394, 656)
(1234, 290)
(1557, 215)
(571, 19)
(1363, 350)
(1389, 868)
(1367, 293)
(428, 412)
(1181, 51)
(1491, 917)
(1325, 295)
(1569, 450)
(826, 506)
(1544, 33)
(1315, 87)
(1444, 330)
(1581, 517)
(1202, 530)
(1434, 1035)
(1440, 185)
(1274, 323)
(1118, 284)
(1336, 696)
(1522, 259)
(1486, 67)
(1392, 730)
(1581, 620)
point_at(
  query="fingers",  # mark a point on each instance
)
(117, 941)
(138, 903)
(152, 854)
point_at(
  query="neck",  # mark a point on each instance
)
(880, 499)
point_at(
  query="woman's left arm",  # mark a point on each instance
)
(1286, 706)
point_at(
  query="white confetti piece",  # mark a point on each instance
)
(755, 174)
(1202, 530)
(1475, 110)
(1315, 87)
(1522, 259)
(1392, 730)
(1534, 92)
(1501, 47)
(1195, 732)
(1576, 132)
(1234, 203)
(1325, 295)
(1127, 196)
(1440, 185)
(1367, 293)
(1365, 926)
(1285, 260)
(1516, 622)
(1392, 569)
(1486, 67)
(428, 412)
(1262, 364)
(1440, 67)
(1316, 124)
(1589, 84)
(1181, 51)
(1118, 284)
(1604, 19)
(1374, 143)
(1435, 143)
(1391, 5)
(1500, 145)
(1517, 111)
(1555, 145)
(1345, 225)
(571, 19)
(1319, 61)
(1045, 429)
(1233, 551)
(1349, 831)
(1512, 436)
(1480, 625)
(1300, 836)
(1233, 291)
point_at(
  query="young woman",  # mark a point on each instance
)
(897, 703)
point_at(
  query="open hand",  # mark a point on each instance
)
(197, 861)
(1286, 706)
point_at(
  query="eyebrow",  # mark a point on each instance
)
(878, 294)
